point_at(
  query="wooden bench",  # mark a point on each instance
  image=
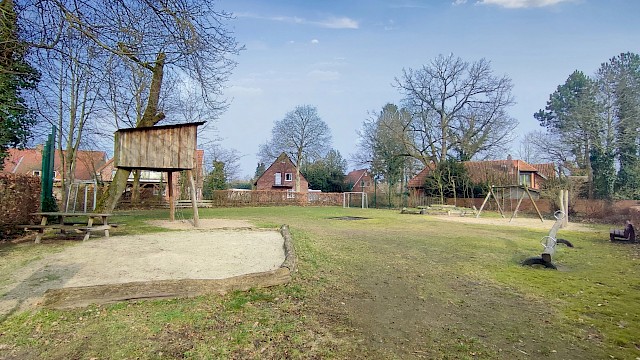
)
(82, 229)
(66, 222)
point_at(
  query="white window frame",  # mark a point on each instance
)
(37, 173)
(278, 178)
(288, 177)
(524, 177)
(291, 194)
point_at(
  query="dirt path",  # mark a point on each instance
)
(218, 249)
(406, 300)
(531, 223)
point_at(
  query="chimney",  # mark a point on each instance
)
(509, 157)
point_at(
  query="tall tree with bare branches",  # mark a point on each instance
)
(458, 108)
(188, 38)
(301, 134)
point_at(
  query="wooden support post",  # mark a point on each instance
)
(534, 204)
(497, 203)
(194, 201)
(515, 212)
(172, 203)
(566, 207)
(484, 203)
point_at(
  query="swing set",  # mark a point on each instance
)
(521, 189)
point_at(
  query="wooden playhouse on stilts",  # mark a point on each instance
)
(168, 148)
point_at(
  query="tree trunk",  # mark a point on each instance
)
(151, 117)
(589, 171)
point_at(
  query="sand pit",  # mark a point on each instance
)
(212, 252)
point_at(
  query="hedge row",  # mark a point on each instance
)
(19, 197)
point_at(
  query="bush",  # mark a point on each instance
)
(19, 197)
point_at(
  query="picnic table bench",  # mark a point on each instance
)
(67, 221)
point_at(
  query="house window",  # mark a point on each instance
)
(288, 177)
(37, 173)
(291, 194)
(525, 179)
(278, 180)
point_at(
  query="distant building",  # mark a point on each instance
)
(497, 173)
(29, 161)
(360, 181)
(281, 176)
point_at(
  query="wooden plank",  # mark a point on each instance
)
(157, 148)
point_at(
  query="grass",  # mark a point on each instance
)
(391, 286)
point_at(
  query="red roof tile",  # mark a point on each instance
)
(28, 160)
(497, 172)
(354, 176)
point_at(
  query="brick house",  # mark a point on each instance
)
(507, 172)
(281, 176)
(29, 161)
(360, 181)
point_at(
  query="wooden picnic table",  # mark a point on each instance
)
(66, 222)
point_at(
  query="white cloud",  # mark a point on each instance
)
(245, 90)
(520, 4)
(459, 2)
(315, 41)
(330, 22)
(339, 23)
(322, 75)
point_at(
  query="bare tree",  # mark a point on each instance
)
(458, 107)
(185, 37)
(229, 157)
(68, 96)
(528, 150)
(552, 147)
(301, 134)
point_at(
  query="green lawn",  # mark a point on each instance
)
(391, 286)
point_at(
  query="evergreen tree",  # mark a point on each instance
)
(326, 174)
(572, 112)
(605, 177)
(215, 180)
(260, 169)
(624, 70)
(16, 76)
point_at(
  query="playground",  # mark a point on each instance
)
(385, 286)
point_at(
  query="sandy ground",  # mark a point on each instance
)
(218, 249)
(532, 223)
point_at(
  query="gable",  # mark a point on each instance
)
(282, 164)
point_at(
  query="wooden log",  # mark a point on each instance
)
(172, 201)
(192, 185)
(65, 298)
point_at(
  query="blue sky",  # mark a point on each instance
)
(343, 56)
